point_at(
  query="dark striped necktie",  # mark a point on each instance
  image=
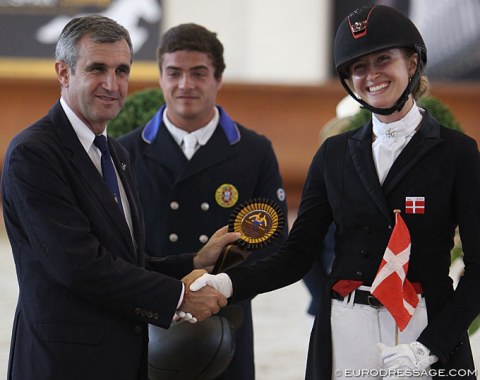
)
(109, 174)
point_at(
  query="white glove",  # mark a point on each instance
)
(181, 316)
(405, 357)
(221, 282)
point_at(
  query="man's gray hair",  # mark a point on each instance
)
(100, 29)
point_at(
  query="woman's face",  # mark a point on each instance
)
(380, 78)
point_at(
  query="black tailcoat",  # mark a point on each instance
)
(438, 164)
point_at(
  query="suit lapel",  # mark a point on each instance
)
(125, 175)
(86, 169)
(360, 145)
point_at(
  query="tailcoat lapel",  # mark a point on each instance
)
(426, 138)
(360, 145)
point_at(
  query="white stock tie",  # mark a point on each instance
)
(386, 148)
(189, 145)
(391, 139)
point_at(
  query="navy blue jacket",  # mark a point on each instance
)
(85, 297)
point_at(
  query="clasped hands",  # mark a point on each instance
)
(200, 302)
(403, 361)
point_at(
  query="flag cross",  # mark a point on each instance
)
(391, 286)
(415, 205)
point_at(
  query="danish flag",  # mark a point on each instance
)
(415, 205)
(390, 285)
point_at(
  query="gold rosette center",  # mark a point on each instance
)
(258, 221)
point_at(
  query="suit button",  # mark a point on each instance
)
(174, 205)
(143, 313)
(173, 238)
(138, 329)
(205, 206)
(137, 311)
(360, 274)
(364, 253)
(203, 239)
(150, 314)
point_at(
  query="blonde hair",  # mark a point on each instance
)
(421, 88)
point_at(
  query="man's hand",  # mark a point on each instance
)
(203, 303)
(411, 357)
(208, 255)
(181, 316)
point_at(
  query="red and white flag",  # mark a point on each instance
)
(391, 286)
(415, 205)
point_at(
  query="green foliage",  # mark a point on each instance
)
(362, 117)
(139, 108)
(438, 110)
(474, 326)
(457, 252)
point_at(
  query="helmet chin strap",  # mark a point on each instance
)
(399, 104)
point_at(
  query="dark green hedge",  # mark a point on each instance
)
(137, 111)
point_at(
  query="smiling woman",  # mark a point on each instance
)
(360, 181)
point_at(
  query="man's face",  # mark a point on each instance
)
(189, 87)
(97, 90)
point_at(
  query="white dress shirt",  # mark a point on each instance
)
(202, 134)
(86, 137)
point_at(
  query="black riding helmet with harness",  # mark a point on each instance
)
(370, 29)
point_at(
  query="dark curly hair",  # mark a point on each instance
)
(193, 37)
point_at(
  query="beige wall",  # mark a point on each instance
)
(291, 116)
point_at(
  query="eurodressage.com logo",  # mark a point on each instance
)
(385, 373)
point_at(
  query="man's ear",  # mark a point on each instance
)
(220, 82)
(63, 73)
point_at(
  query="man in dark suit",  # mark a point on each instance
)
(85, 297)
(187, 193)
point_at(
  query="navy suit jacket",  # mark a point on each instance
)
(342, 186)
(85, 297)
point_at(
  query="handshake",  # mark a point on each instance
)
(205, 294)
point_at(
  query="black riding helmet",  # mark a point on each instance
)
(370, 29)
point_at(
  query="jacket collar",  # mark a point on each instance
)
(228, 126)
(360, 146)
